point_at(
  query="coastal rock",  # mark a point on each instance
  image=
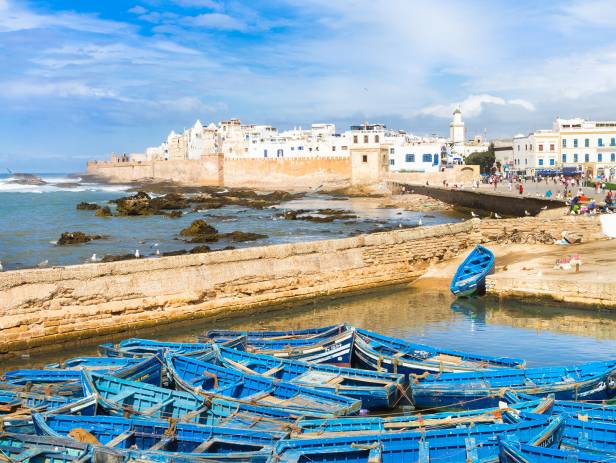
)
(240, 236)
(138, 204)
(104, 212)
(200, 232)
(174, 214)
(83, 206)
(170, 201)
(76, 237)
(200, 249)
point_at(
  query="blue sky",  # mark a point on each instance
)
(81, 79)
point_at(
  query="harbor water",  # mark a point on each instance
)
(543, 335)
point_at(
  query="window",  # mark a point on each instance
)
(519, 147)
(587, 157)
(376, 139)
(280, 153)
(364, 158)
(613, 142)
(599, 157)
(365, 138)
(613, 157)
(552, 147)
(392, 162)
(575, 143)
(600, 142)
(435, 159)
(540, 147)
(300, 148)
(410, 158)
(552, 162)
(292, 148)
(264, 153)
(526, 161)
(354, 138)
(333, 148)
(427, 158)
(391, 150)
(564, 157)
(575, 157)
(530, 147)
(586, 142)
(540, 162)
(564, 142)
(344, 148)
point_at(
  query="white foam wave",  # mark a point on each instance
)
(7, 187)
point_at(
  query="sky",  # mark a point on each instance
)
(82, 79)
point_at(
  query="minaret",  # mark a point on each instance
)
(457, 132)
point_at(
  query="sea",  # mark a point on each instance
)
(32, 218)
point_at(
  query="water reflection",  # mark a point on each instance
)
(541, 334)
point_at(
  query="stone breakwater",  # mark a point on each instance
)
(45, 308)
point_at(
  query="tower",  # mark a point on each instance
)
(457, 131)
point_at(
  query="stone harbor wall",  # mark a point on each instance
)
(48, 307)
(44, 308)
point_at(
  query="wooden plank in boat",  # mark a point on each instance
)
(318, 377)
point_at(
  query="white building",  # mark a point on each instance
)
(457, 130)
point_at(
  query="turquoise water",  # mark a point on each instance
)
(32, 218)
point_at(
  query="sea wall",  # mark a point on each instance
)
(288, 173)
(456, 174)
(48, 307)
(480, 200)
(205, 171)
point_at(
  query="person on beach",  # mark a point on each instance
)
(548, 194)
(521, 189)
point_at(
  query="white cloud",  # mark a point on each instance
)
(589, 12)
(53, 89)
(137, 9)
(473, 106)
(211, 4)
(218, 21)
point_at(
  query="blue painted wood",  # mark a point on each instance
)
(308, 333)
(210, 380)
(383, 353)
(484, 389)
(471, 274)
(376, 390)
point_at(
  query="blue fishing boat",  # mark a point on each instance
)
(34, 449)
(589, 382)
(119, 397)
(477, 443)
(308, 333)
(470, 278)
(210, 380)
(376, 390)
(418, 421)
(515, 452)
(383, 353)
(335, 349)
(156, 435)
(588, 436)
(93, 363)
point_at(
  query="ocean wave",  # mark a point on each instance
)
(6, 186)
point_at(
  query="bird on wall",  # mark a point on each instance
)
(526, 213)
(497, 216)
(473, 214)
(1, 267)
(420, 223)
(137, 255)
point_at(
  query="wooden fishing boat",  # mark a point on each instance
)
(418, 421)
(588, 382)
(119, 397)
(210, 380)
(308, 333)
(378, 352)
(471, 275)
(516, 452)
(588, 436)
(376, 390)
(156, 435)
(477, 443)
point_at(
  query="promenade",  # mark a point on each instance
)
(536, 189)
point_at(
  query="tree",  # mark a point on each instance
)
(485, 159)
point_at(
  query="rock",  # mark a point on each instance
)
(180, 252)
(27, 179)
(175, 214)
(292, 215)
(200, 232)
(314, 218)
(200, 249)
(239, 236)
(198, 227)
(76, 238)
(112, 258)
(138, 204)
(83, 206)
(104, 212)
(171, 201)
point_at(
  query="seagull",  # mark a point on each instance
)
(544, 208)
(420, 223)
(137, 255)
(93, 258)
(526, 213)
(399, 225)
(473, 214)
(157, 252)
(1, 267)
(497, 216)
(43, 264)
